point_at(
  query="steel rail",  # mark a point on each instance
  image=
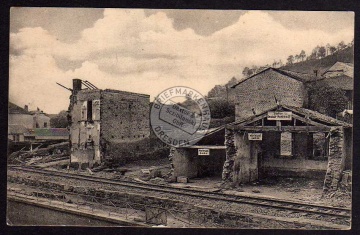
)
(257, 201)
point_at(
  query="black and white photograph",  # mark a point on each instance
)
(180, 118)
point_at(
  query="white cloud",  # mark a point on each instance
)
(128, 50)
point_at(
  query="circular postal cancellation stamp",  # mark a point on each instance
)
(180, 124)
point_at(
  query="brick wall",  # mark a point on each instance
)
(258, 92)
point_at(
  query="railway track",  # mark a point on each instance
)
(336, 213)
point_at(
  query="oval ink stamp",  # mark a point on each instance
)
(175, 124)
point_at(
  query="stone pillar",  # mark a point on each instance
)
(170, 175)
(335, 159)
(227, 174)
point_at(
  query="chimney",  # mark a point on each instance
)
(26, 108)
(76, 85)
(316, 72)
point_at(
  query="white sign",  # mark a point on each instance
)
(255, 136)
(277, 115)
(203, 152)
(286, 144)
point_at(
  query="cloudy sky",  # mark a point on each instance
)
(148, 51)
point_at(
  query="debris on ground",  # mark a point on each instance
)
(157, 180)
(182, 179)
(53, 152)
(88, 169)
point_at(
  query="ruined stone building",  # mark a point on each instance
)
(294, 140)
(106, 124)
(263, 90)
(274, 134)
(281, 142)
(204, 159)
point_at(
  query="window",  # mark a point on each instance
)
(96, 110)
(89, 110)
(84, 111)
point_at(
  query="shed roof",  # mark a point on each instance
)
(339, 65)
(48, 132)
(311, 114)
(16, 129)
(343, 82)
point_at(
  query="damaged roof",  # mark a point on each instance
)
(311, 114)
(316, 116)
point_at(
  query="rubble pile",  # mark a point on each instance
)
(54, 152)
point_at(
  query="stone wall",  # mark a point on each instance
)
(118, 129)
(84, 134)
(259, 91)
(336, 159)
(41, 120)
(125, 125)
(227, 174)
(185, 163)
(124, 116)
(188, 163)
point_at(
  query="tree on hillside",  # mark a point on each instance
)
(351, 43)
(280, 63)
(332, 49)
(220, 108)
(297, 58)
(59, 120)
(290, 59)
(341, 46)
(216, 91)
(327, 100)
(232, 82)
(247, 72)
(313, 55)
(321, 52)
(327, 47)
(254, 69)
(302, 55)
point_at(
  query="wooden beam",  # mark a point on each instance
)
(205, 147)
(253, 120)
(309, 121)
(283, 128)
